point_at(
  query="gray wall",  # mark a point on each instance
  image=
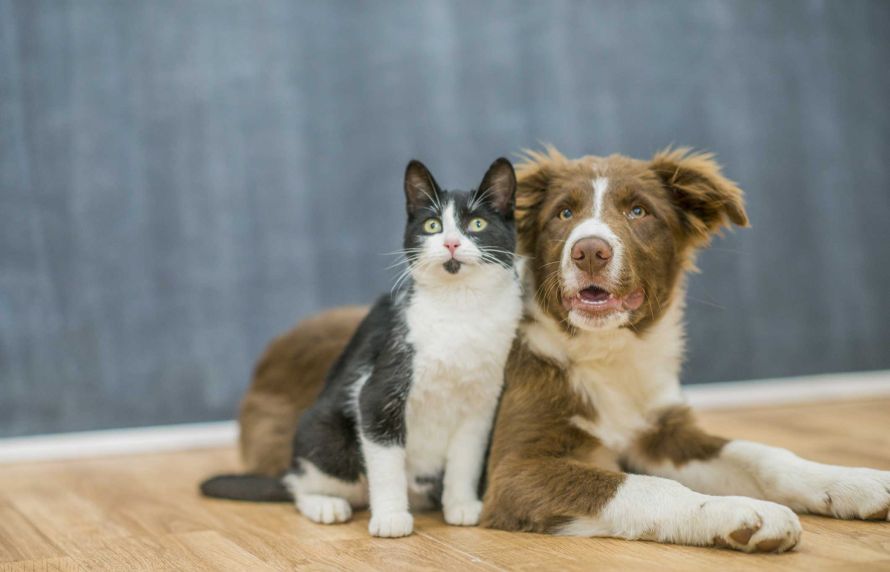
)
(180, 181)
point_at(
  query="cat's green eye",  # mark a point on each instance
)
(477, 224)
(432, 226)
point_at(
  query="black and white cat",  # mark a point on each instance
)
(407, 409)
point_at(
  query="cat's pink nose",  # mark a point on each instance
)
(451, 245)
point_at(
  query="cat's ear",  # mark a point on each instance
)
(421, 188)
(498, 188)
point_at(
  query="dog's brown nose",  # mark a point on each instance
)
(591, 254)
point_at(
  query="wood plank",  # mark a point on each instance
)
(21, 540)
(64, 564)
(144, 512)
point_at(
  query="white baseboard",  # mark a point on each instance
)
(224, 433)
(784, 390)
(118, 442)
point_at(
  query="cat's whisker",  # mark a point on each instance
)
(433, 200)
(478, 197)
(401, 252)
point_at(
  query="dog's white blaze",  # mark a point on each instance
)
(600, 187)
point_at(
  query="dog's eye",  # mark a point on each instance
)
(477, 224)
(432, 226)
(636, 212)
(565, 214)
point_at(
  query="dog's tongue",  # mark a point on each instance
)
(594, 294)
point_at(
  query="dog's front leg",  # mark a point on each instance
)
(564, 496)
(676, 448)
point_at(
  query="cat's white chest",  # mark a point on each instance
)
(461, 339)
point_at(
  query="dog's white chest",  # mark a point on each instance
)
(625, 400)
(626, 378)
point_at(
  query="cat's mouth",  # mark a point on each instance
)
(452, 266)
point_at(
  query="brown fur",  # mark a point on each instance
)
(686, 194)
(675, 437)
(536, 451)
(537, 476)
(286, 380)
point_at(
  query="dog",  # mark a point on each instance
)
(592, 436)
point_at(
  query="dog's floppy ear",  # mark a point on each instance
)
(533, 177)
(706, 199)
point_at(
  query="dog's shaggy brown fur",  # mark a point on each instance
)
(286, 381)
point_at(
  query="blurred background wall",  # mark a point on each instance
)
(181, 181)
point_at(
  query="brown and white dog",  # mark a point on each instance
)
(592, 437)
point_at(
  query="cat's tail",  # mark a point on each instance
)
(256, 488)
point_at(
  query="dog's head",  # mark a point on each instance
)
(610, 237)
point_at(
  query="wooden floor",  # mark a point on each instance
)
(144, 513)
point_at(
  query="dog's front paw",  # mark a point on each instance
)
(752, 525)
(854, 493)
(391, 524)
(463, 513)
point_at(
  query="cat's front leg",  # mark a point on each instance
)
(381, 406)
(388, 488)
(466, 455)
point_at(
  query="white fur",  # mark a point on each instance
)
(389, 490)
(778, 475)
(322, 498)
(461, 337)
(651, 508)
(600, 188)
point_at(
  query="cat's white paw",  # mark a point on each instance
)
(464, 513)
(751, 525)
(391, 524)
(324, 509)
(845, 492)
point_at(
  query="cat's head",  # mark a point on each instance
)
(453, 234)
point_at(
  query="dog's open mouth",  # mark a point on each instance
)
(596, 300)
(594, 295)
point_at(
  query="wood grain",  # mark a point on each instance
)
(144, 513)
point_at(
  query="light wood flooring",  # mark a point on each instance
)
(144, 513)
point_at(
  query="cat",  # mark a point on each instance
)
(406, 412)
